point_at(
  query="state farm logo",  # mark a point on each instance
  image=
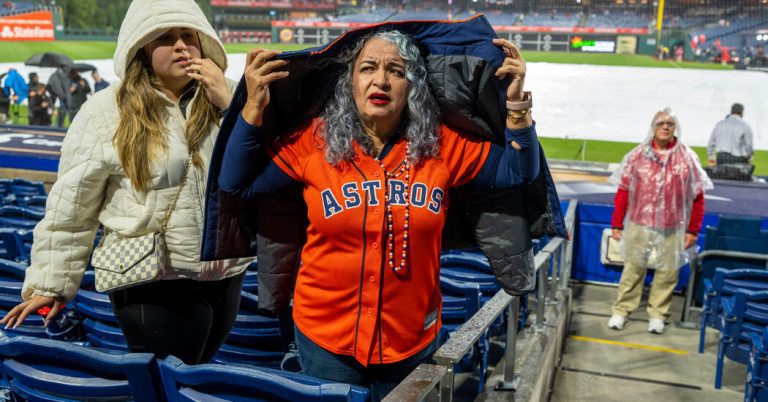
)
(22, 33)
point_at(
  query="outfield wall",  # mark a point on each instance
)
(605, 102)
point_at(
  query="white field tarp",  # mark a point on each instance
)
(581, 101)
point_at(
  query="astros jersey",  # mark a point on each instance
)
(347, 298)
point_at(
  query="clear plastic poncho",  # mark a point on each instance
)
(662, 184)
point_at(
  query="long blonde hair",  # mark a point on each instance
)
(141, 135)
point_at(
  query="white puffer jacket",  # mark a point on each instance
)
(92, 188)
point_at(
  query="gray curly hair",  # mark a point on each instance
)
(343, 127)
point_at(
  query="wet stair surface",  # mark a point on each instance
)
(601, 364)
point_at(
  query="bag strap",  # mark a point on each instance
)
(172, 206)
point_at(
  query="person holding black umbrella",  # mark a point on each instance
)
(58, 87)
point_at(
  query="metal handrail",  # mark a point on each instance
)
(419, 384)
(462, 341)
(415, 387)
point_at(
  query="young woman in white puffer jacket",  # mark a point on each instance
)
(122, 162)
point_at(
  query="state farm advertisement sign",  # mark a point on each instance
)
(34, 26)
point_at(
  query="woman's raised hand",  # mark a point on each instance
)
(210, 76)
(18, 314)
(260, 71)
(514, 66)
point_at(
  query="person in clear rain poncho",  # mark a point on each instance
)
(658, 211)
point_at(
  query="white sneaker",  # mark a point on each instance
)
(656, 326)
(617, 322)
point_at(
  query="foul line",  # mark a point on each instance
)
(629, 345)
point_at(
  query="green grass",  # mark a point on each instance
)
(635, 60)
(81, 50)
(23, 117)
(77, 50)
(597, 151)
(613, 152)
(568, 149)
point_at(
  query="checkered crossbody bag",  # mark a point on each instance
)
(133, 260)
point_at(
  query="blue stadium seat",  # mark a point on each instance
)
(26, 188)
(31, 327)
(733, 233)
(744, 313)
(99, 321)
(251, 280)
(19, 217)
(472, 267)
(33, 201)
(725, 283)
(255, 338)
(756, 389)
(48, 370)
(12, 270)
(465, 266)
(12, 246)
(216, 382)
(10, 294)
(5, 187)
(461, 301)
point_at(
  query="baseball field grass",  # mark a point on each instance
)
(595, 150)
(83, 50)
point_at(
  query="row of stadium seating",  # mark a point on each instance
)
(605, 19)
(48, 370)
(734, 298)
(731, 33)
(737, 306)
(256, 340)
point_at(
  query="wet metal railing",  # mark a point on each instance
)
(555, 257)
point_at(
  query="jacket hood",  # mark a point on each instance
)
(146, 20)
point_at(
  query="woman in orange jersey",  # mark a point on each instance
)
(376, 167)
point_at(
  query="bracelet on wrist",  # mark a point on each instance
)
(526, 103)
(515, 116)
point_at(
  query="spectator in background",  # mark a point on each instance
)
(39, 106)
(661, 191)
(78, 90)
(17, 90)
(58, 87)
(33, 81)
(679, 52)
(731, 139)
(5, 102)
(98, 82)
(760, 59)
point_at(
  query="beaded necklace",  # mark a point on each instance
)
(405, 168)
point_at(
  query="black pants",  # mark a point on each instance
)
(185, 318)
(724, 158)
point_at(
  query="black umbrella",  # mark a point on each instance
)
(83, 67)
(48, 59)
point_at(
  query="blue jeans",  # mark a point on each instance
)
(380, 379)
